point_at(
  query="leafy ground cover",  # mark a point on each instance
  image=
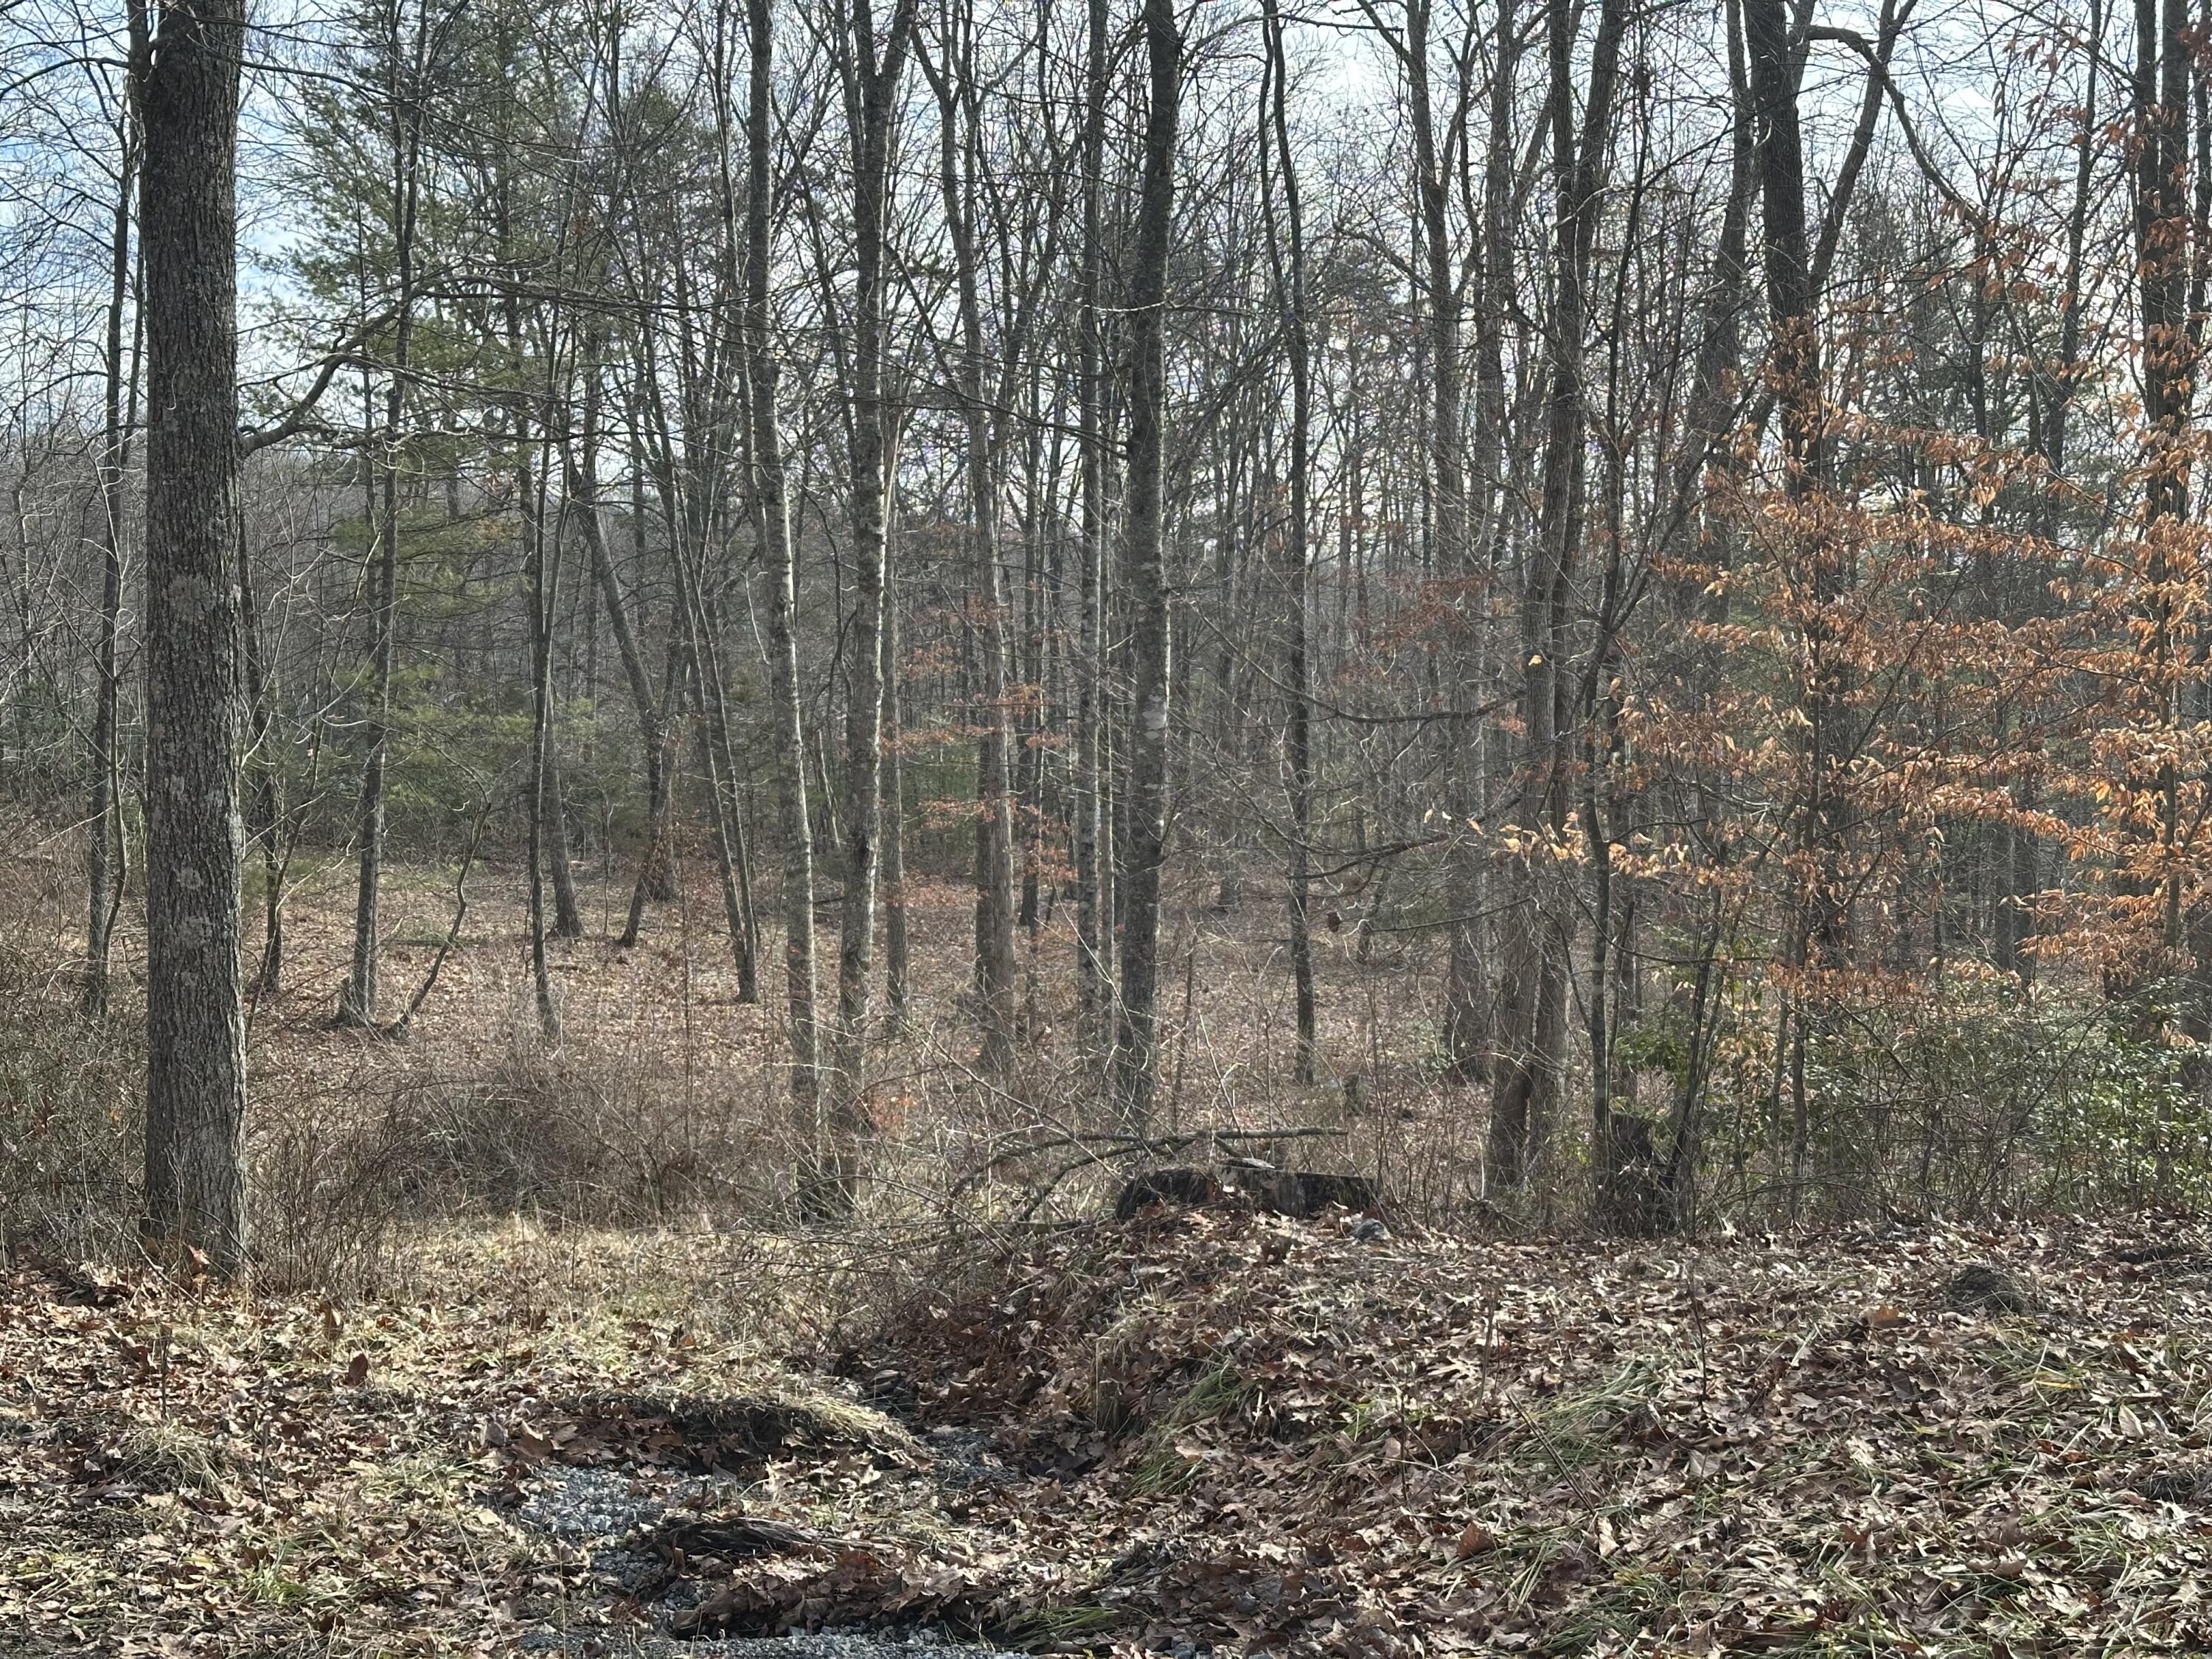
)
(1194, 1430)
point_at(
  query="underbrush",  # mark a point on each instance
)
(71, 1122)
(568, 1136)
(348, 1163)
(667, 1103)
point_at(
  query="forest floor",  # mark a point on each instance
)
(1195, 1430)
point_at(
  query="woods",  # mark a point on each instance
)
(1360, 832)
(1648, 561)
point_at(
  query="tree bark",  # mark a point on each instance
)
(1290, 260)
(188, 53)
(357, 998)
(960, 143)
(1136, 1044)
(1094, 912)
(772, 522)
(871, 80)
(898, 952)
(1533, 1006)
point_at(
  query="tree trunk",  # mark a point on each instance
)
(1136, 1046)
(898, 947)
(104, 831)
(581, 486)
(357, 999)
(711, 702)
(188, 73)
(1466, 1013)
(960, 141)
(1094, 919)
(542, 575)
(871, 92)
(772, 521)
(1533, 1011)
(1290, 260)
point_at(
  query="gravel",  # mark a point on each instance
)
(601, 1509)
(588, 1505)
(601, 1512)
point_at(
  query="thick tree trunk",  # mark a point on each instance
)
(188, 79)
(1136, 1038)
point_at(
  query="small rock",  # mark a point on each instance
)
(1367, 1230)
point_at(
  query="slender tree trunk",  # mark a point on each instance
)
(711, 703)
(1290, 259)
(898, 947)
(541, 575)
(1532, 1023)
(104, 831)
(1094, 914)
(560, 863)
(264, 819)
(2164, 55)
(188, 57)
(580, 466)
(1705, 463)
(871, 97)
(1466, 1013)
(1136, 1037)
(960, 141)
(357, 999)
(1795, 372)
(772, 523)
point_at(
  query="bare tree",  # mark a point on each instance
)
(1136, 1049)
(871, 71)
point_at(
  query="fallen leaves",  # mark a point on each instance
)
(1572, 1449)
(1235, 1431)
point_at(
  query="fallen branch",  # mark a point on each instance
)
(1106, 1145)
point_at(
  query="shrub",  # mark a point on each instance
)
(71, 1121)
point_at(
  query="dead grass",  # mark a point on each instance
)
(667, 1099)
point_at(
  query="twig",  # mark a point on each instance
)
(399, 1027)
